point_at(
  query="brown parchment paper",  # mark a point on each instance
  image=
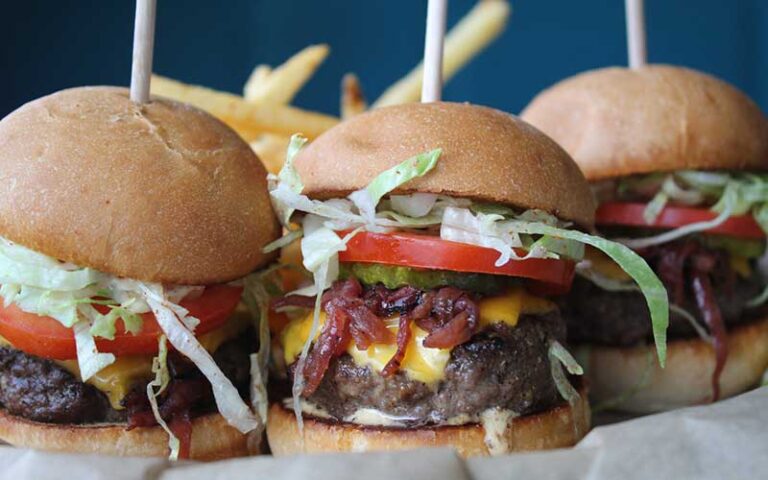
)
(727, 440)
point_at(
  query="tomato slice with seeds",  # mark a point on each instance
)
(47, 338)
(431, 252)
(631, 214)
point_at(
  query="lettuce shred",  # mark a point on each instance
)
(172, 320)
(44, 286)
(729, 194)
(156, 387)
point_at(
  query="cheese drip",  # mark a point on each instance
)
(421, 363)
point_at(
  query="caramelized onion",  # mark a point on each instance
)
(448, 314)
(403, 337)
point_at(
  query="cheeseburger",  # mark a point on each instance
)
(128, 238)
(678, 162)
(436, 235)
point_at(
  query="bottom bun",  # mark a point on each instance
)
(562, 426)
(212, 438)
(631, 380)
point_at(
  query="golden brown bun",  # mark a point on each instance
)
(212, 438)
(488, 155)
(687, 378)
(161, 192)
(616, 121)
(556, 428)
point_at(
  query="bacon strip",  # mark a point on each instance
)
(328, 344)
(403, 337)
(710, 311)
(181, 426)
(672, 262)
(453, 319)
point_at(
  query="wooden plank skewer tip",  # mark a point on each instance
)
(143, 46)
(636, 48)
(432, 84)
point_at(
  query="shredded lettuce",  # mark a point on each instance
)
(156, 387)
(287, 179)
(415, 205)
(89, 360)
(670, 190)
(688, 316)
(564, 356)
(759, 300)
(283, 241)
(22, 266)
(685, 230)
(368, 198)
(728, 194)
(256, 297)
(559, 357)
(320, 278)
(497, 232)
(654, 207)
(44, 286)
(171, 319)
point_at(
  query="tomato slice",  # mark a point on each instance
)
(631, 214)
(46, 337)
(424, 251)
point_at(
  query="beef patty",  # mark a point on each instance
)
(500, 366)
(597, 316)
(39, 389)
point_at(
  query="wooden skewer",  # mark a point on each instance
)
(143, 45)
(636, 48)
(432, 86)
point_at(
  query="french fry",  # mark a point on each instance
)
(481, 26)
(271, 150)
(284, 82)
(352, 98)
(256, 81)
(248, 119)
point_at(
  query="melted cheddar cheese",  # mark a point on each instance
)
(602, 264)
(420, 363)
(740, 265)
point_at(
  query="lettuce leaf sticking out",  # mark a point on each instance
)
(89, 360)
(256, 297)
(288, 180)
(732, 194)
(156, 387)
(368, 198)
(501, 233)
(560, 357)
(171, 319)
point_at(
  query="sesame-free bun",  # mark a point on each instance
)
(159, 192)
(617, 121)
(487, 155)
(212, 438)
(631, 380)
(559, 427)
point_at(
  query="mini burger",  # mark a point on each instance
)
(128, 238)
(436, 235)
(678, 161)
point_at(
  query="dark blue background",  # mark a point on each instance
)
(46, 45)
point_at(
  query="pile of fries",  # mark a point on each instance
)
(264, 117)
